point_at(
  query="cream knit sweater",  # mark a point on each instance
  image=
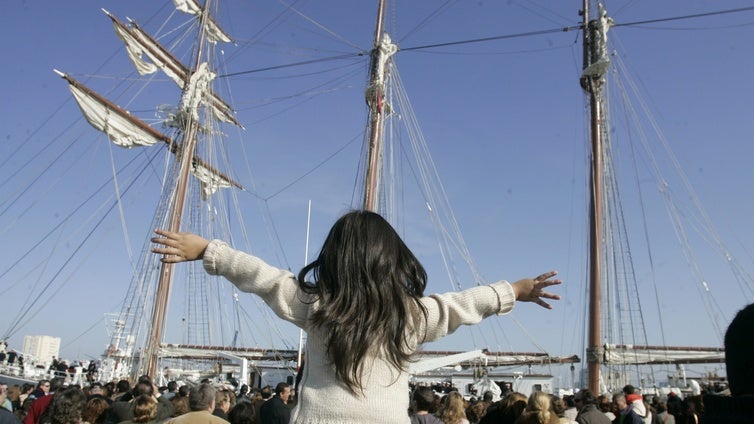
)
(322, 398)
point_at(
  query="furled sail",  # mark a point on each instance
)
(128, 131)
(141, 45)
(633, 355)
(213, 31)
(121, 128)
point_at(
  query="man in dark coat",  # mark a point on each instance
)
(586, 403)
(276, 410)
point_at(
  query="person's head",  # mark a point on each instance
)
(603, 403)
(172, 386)
(144, 408)
(453, 408)
(142, 388)
(739, 344)
(424, 399)
(629, 389)
(184, 390)
(94, 412)
(242, 413)
(540, 404)
(222, 400)
(68, 406)
(266, 392)
(619, 400)
(584, 397)
(513, 405)
(123, 386)
(44, 385)
(488, 396)
(558, 405)
(202, 398)
(368, 284)
(56, 384)
(283, 391)
(180, 405)
(95, 389)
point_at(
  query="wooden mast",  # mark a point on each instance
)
(162, 296)
(376, 101)
(592, 81)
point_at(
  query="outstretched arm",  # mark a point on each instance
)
(179, 247)
(532, 289)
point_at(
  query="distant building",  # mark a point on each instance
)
(41, 347)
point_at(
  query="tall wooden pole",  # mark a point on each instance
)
(162, 295)
(592, 81)
(376, 102)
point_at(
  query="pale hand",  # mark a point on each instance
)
(179, 247)
(532, 289)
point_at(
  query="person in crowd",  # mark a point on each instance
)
(739, 365)
(42, 389)
(625, 413)
(538, 410)
(201, 403)
(6, 404)
(122, 391)
(423, 406)
(507, 410)
(40, 405)
(265, 394)
(122, 410)
(97, 391)
(559, 407)
(6, 417)
(243, 394)
(663, 416)
(571, 410)
(143, 410)
(95, 411)
(172, 389)
(606, 406)
(242, 413)
(222, 404)
(67, 407)
(180, 405)
(476, 410)
(636, 401)
(276, 410)
(26, 390)
(365, 311)
(586, 402)
(453, 409)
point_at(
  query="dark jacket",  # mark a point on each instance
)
(589, 414)
(274, 411)
(728, 409)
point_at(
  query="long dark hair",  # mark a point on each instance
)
(368, 284)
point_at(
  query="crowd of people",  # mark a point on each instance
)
(55, 402)
(363, 305)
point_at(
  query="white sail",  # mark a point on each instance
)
(120, 129)
(139, 44)
(638, 355)
(213, 31)
(211, 181)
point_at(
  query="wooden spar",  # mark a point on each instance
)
(144, 126)
(162, 296)
(376, 126)
(592, 84)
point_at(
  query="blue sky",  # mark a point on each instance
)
(504, 121)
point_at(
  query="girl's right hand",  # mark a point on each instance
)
(179, 247)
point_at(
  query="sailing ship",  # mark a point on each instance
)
(217, 197)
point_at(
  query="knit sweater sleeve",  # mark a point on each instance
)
(278, 288)
(446, 312)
